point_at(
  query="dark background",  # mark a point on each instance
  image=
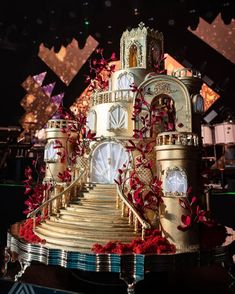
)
(25, 24)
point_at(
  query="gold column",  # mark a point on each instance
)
(186, 158)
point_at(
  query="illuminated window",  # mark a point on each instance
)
(198, 103)
(175, 181)
(125, 80)
(91, 120)
(50, 153)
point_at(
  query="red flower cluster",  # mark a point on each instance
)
(80, 142)
(100, 71)
(62, 152)
(26, 231)
(142, 195)
(195, 214)
(63, 113)
(37, 191)
(65, 176)
(142, 148)
(37, 197)
(147, 116)
(158, 65)
(153, 243)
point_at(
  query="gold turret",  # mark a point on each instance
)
(59, 147)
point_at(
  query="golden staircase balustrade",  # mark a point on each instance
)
(128, 209)
(54, 203)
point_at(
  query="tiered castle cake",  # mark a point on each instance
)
(163, 113)
(176, 100)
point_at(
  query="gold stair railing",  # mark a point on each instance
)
(128, 209)
(53, 204)
(62, 199)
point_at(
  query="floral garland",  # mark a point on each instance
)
(141, 195)
(26, 231)
(100, 71)
(152, 243)
(36, 192)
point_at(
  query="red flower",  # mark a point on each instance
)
(26, 231)
(156, 185)
(153, 243)
(65, 176)
(186, 222)
(195, 214)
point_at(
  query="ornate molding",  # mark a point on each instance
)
(142, 30)
(122, 105)
(163, 88)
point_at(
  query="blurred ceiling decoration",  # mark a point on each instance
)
(55, 24)
(38, 103)
(69, 60)
(207, 93)
(82, 102)
(218, 36)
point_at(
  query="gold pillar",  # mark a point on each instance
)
(54, 132)
(178, 154)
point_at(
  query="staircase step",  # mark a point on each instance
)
(92, 218)
(87, 201)
(113, 223)
(89, 212)
(71, 230)
(91, 205)
(102, 238)
(70, 243)
(95, 194)
(83, 226)
(97, 185)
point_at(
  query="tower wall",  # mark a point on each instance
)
(55, 136)
(182, 158)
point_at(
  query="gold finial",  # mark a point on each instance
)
(141, 25)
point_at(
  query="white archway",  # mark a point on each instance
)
(106, 159)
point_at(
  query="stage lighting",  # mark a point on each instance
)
(210, 116)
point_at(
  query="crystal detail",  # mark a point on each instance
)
(48, 89)
(57, 99)
(40, 78)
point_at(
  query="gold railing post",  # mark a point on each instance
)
(130, 216)
(136, 224)
(143, 232)
(123, 209)
(117, 201)
(34, 222)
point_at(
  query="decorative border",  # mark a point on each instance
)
(132, 264)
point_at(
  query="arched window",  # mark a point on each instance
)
(162, 114)
(154, 54)
(198, 103)
(125, 80)
(50, 153)
(175, 181)
(117, 118)
(133, 56)
(91, 120)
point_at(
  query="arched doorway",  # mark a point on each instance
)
(107, 158)
(163, 115)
